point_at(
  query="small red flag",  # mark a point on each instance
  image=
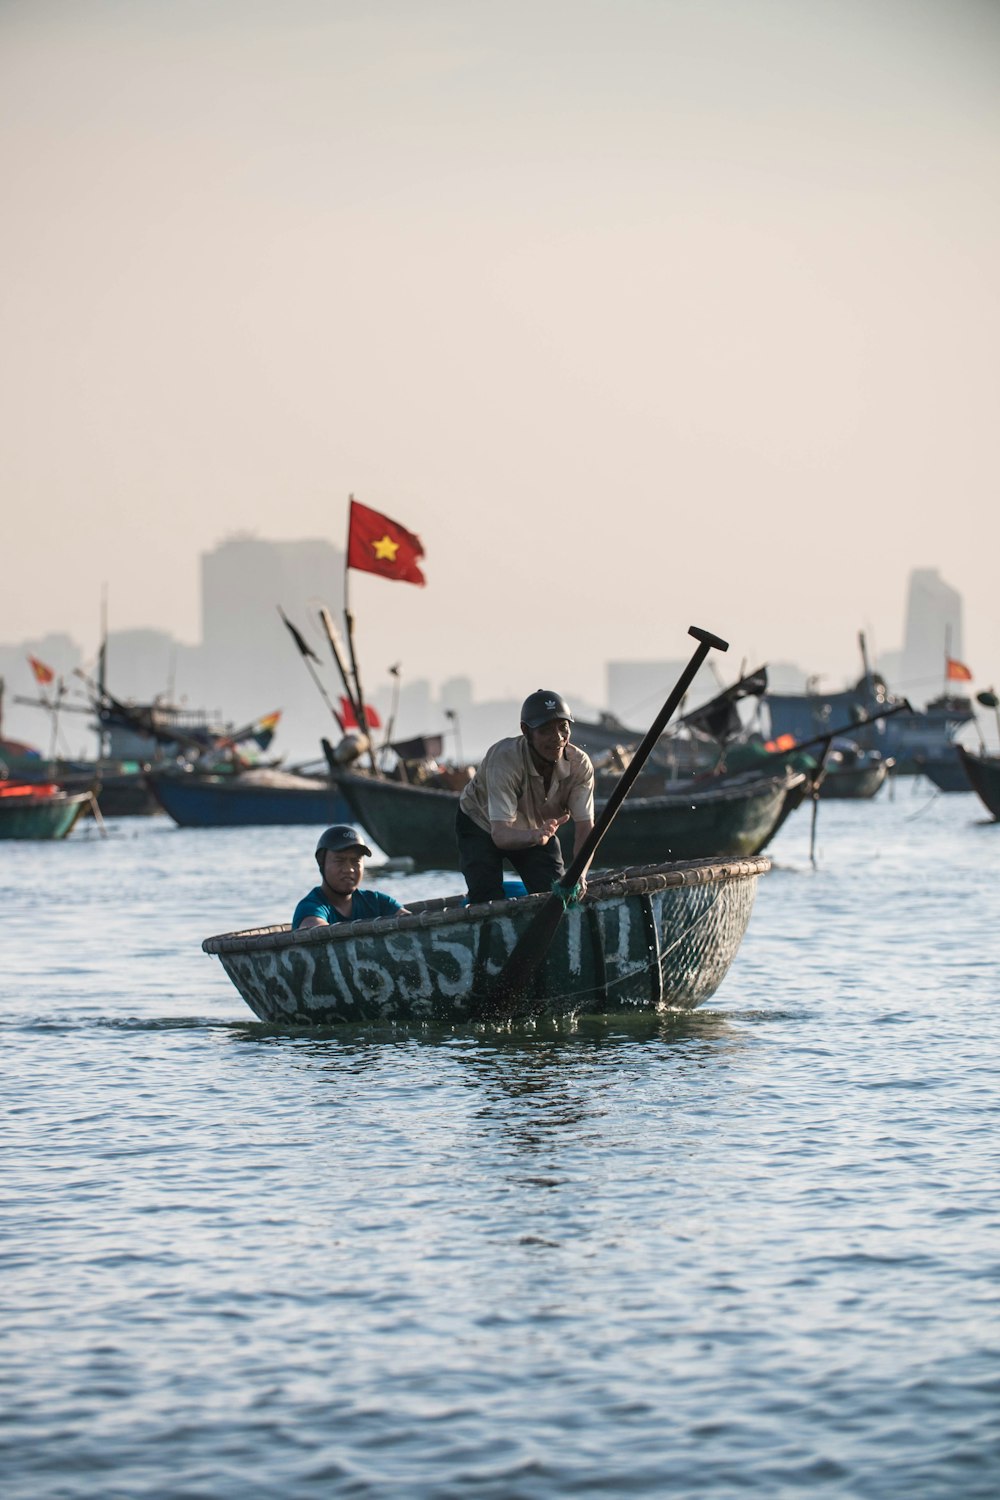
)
(377, 545)
(349, 718)
(958, 671)
(43, 674)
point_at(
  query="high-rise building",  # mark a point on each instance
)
(244, 579)
(248, 659)
(933, 631)
(637, 689)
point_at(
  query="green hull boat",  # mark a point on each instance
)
(733, 819)
(40, 817)
(644, 939)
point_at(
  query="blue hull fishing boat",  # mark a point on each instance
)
(246, 799)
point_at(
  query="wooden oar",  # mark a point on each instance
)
(516, 974)
(826, 740)
(905, 707)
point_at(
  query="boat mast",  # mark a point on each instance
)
(103, 733)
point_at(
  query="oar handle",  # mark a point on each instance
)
(708, 639)
(706, 643)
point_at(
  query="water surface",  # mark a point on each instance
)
(753, 1250)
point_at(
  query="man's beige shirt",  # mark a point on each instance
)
(507, 788)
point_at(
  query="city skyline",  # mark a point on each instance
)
(638, 315)
(245, 664)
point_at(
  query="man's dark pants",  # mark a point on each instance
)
(481, 862)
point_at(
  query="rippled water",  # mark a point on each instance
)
(750, 1251)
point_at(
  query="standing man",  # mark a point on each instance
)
(340, 855)
(523, 790)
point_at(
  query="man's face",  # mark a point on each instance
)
(551, 740)
(342, 870)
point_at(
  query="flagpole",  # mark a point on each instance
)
(359, 707)
(347, 559)
(394, 672)
(331, 634)
(103, 737)
(360, 710)
(57, 698)
(947, 656)
(450, 713)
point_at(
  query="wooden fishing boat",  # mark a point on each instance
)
(852, 773)
(910, 737)
(34, 811)
(643, 939)
(119, 786)
(946, 770)
(249, 798)
(734, 817)
(983, 772)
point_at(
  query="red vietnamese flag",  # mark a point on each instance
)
(958, 671)
(43, 674)
(349, 718)
(377, 545)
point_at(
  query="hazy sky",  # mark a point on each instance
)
(642, 313)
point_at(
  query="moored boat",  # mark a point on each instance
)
(851, 773)
(907, 736)
(249, 798)
(119, 786)
(946, 770)
(983, 772)
(34, 811)
(730, 818)
(643, 939)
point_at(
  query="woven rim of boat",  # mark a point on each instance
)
(636, 880)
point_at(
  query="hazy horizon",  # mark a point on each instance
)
(640, 315)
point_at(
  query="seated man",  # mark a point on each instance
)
(524, 788)
(340, 855)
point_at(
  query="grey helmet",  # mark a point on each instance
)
(542, 706)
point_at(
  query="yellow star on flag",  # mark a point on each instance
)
(386, 549)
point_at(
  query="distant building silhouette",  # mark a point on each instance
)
(247, 658)
(637, 690)
(245, 578)
(932, 631)
(247, 665)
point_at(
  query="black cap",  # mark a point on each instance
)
(542, 706)
(342, 836)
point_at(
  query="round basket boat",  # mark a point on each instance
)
(652, 937)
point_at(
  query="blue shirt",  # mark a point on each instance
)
(364, 906)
